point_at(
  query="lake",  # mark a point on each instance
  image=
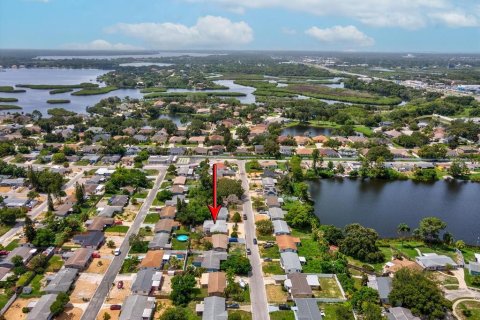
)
(145, 64)
(383, 205)
(301, 130)
(36, 99)
(132, 55)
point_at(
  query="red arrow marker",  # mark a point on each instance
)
(214, 209)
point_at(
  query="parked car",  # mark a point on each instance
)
(284, 307)
(115, 307)
(233, 305)
(267, 259)
(255, 241)
(96, 255)
(117, 252)
(244, 217)
(118, 222)
(120, 284)
(249, 252)
(4, 252)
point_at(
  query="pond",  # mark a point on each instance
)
(383, 205)
(303, 130)
(36, 99)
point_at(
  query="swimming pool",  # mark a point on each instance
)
(182, 237)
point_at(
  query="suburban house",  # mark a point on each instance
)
(297, 285)
(287, 243)
(99, 223)
(272, 201)
(219, 242)
(168, 212)
(211, 260)
(290, 262)
(223, 214)
(147, 281)
(26, 251)
(41, 308)
(137, 307)
(62, 281)
(109, 211)
(93, 239)
(213, 309)
(280, 227)
(383, 285)
(118, 200)
(80, 259)
(433, 261)
(165, 226)
(397, 264)
(276, 213)
(217, 283)
(210, 227)
(160, 241)
(307, 309)
(153, 259)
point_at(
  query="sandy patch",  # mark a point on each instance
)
(275, 294)
(85, 287)
(15, 310)
(118, 296)
(259, 217)
(105, 250)
(162, 306)
(166, 284)
(5, 189)
(70, 314)
(115, 314)
(99, 265)
(240, 231)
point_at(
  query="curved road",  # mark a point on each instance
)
(97, 299)
(258, 295)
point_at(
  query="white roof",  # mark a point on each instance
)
(312, 280)
(477, 256)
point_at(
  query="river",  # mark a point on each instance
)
(383, 205)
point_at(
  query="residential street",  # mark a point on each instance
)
(5, 239)
(258, 296)
(98, 298)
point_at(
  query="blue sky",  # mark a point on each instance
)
(367, 25)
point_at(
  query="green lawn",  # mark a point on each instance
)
(3, 300)
(24, 278)
(329, 289)
(119, 229)
(178, 245)
(54, 264)
(12, 245)
(309, 248)
(272, 268)
(439, 249)
(140, 195)
(35, 284)
(152, 218)
(4, 229)
(282, 315)
(469, 309)
(407, 247)
(158, 203)
(469, 278)
(271, 252)
(331, 312)
(243, 314)
(151, 172)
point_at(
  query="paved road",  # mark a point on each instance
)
(258, 295)
(5, 239)
(96, 301)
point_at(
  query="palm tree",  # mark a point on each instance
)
(315, 155)
(403, 229)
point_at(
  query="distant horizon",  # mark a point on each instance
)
(119, 52)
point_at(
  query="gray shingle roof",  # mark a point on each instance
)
(144, 280)
(434, 260)
(399, 313)
(214, 309)
(160, 241)
(41, 311)
(307, 309)
(280, 227)
(137, 307)
(290, 261)
(63, 281)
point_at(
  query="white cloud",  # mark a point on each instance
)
(408, 14)
(208, 32)
(341, 35)
(100, 44)
(457, 19)
(289, 31)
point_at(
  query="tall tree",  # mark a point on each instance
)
(430, 228)
(80, 193)
(315, 157)
(403, 229)
(51, 207)
(29, 229)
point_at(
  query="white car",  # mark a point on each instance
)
(117, 252)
